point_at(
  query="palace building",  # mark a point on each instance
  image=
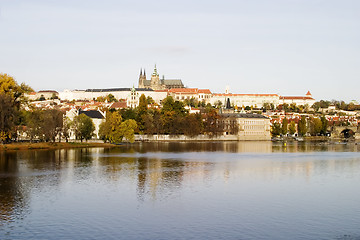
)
(156, 83)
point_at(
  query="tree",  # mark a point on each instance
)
(284, 126)
(7, 117)
(150, 100)
(275, 129)
(315, 126)
(114, 130)
(292, 128)
(11, 95)
(52, 124)
(127, 129)
(84, 127)
(141, 111)
(65, 131)
(111, 98)
(324, 123)
(194, 125)
(10, 87)
(302, 126)
(218, 104)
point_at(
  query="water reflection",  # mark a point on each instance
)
(159, 171)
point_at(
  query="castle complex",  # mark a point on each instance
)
(156, 83)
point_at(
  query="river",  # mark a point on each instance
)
(213, 190)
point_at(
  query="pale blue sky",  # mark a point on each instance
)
(254, 46)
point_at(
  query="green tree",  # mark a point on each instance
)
(292, 128)
(150, 100)
(84, 127)
(114, 130)
(65, 131)
(275, 129)
(302, 126)
(111, 98)
(315, 126)
(324, 123)
(284, 126)
(141, 111)
(128, 129)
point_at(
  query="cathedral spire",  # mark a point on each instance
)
(140, 72)
(155, 71)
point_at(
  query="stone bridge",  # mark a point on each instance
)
(345, 132)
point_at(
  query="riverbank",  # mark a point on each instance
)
(57, 145)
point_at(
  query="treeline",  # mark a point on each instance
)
(49, 125)
(172, 119)
(311, 125)
(340, 105)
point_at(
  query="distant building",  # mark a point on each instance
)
(250, 126)
(118, 93)
(201, 95)
(244, 100)
(298, 100)
(96, 116)
(42, 95)
(156, 83)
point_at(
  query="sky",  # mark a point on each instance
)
(253, 46)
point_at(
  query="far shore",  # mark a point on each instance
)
(64, 145)
(56, 145)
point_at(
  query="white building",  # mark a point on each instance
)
(250, 126)
(118, 93)
(244, 100)
(200, 95)
(298, 100)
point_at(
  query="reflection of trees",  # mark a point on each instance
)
(14, 198)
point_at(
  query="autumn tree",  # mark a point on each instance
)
(315, 126)
(114, 129)
(302, 126)
(284, 126)
(52, 120)
(141, 111)
(7, 117)
(275, 129)
(65, 131)
(194, 125)
(292, 128)
(11, 96)
(324, 123)
(84, 127)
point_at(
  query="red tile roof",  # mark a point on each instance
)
(250, 94)
(295, 98)
(189, 90)
(118, 105)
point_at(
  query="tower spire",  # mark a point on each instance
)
(155, 71)
(140, 72)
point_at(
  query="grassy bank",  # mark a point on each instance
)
(43, 145)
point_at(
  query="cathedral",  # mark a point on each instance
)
(156, 83)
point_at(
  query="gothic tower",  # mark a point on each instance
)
(142, 79)
(155, 80)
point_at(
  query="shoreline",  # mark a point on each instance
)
(49, 146)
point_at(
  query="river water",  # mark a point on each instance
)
(218, 190)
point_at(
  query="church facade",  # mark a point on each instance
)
(156, 83)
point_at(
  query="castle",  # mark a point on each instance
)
(156, 83)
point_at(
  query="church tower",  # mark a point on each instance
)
(142, 79)
(155, 80)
